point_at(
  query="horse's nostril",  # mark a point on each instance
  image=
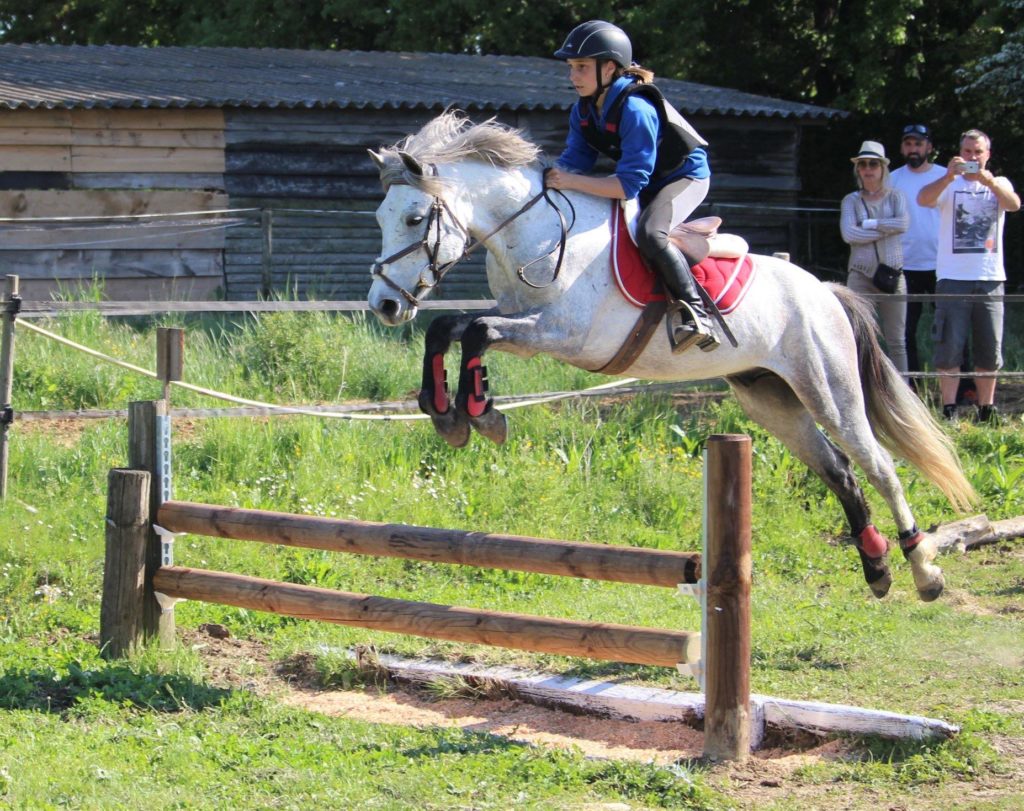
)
(389, 307)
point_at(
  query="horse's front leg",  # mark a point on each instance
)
(449, 422)
(522, 335)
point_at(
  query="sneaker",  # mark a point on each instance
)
(988, 414)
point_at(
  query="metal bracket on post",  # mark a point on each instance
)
(163, 455)
(695, 669)
(166, 603)
(695, 590)
(166, 544)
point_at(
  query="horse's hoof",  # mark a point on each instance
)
(928, 577)
(880, 588)
(492, 424)
(453, 428)
(876, 573)
(929, 595)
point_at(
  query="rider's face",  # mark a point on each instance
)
(583, 75)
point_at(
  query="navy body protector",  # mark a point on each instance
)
(677, 139)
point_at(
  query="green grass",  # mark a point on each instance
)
(156, 732)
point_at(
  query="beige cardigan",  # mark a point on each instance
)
(893, 220)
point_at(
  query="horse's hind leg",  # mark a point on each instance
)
(769, 401)
(831, 393)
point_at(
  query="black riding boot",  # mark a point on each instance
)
(688, 321)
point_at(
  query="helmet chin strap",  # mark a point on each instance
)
(601, 86)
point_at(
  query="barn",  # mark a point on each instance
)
(159, 173)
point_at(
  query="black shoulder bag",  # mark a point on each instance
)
(885, 278)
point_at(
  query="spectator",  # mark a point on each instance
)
(972, 204)
(871, 221)
(920, 241)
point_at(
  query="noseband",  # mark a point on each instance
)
(438, 209)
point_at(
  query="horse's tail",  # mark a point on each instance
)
(900, 421)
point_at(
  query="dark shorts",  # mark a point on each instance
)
(957, 319)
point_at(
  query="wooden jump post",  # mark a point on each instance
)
(727, 582)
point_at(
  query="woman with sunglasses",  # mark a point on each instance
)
(871, 221)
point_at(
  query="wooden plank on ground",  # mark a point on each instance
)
(655, 704)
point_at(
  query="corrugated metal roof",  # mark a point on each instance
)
(110, 76)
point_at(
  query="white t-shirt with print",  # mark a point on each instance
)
(920, 240)
(971, 232)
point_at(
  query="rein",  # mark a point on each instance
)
(438, 208)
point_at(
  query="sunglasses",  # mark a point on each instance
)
(916, 129)
(871, 164)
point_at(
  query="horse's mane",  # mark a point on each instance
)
(452, 137)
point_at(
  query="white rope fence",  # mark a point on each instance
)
(526, 400)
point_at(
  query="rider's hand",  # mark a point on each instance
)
(555, 178)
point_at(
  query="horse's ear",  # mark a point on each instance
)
(411, 163)
(377, 159)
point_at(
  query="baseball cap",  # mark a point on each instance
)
(917, 131)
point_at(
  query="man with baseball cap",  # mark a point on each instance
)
(920, 241)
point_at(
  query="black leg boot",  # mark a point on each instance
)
(688, 321)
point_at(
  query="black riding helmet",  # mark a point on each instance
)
(599, 40)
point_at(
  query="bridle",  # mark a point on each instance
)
(438, 209)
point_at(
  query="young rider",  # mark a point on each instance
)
(659, 158)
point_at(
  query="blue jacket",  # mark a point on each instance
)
(639, 130)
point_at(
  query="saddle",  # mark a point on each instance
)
(719, 262)
(693, 238)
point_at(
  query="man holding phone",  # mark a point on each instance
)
(972, 204)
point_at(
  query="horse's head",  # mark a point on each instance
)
(425, 219)
(421, 237)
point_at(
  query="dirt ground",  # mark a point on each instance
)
(769, 776)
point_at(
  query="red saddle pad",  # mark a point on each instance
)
(725, 280)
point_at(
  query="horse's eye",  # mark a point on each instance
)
(414, 219)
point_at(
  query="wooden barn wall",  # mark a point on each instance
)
(311, 168)
(755, 183)
(308, 169)
(58, 164)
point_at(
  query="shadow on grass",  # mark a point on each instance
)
(50, 690)
(467, 743)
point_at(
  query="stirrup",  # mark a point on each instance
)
(691, 330)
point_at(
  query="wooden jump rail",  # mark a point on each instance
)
(136, 578)
(621, 564)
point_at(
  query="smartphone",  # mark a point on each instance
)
(971, 167)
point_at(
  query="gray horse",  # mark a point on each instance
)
(806, 354)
